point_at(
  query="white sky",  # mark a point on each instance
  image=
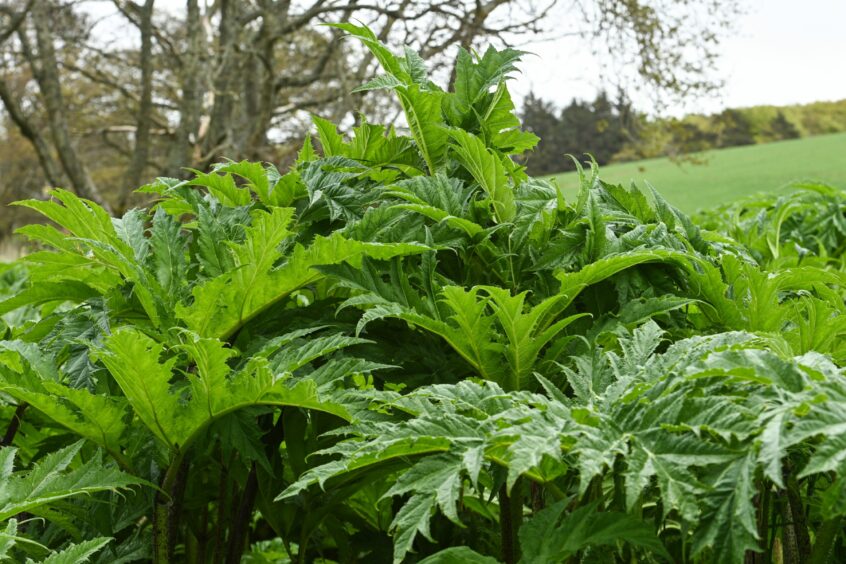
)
(783, 52)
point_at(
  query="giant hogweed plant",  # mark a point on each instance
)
(405, 349)
(807, 225)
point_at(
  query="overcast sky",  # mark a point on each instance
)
(784, 52)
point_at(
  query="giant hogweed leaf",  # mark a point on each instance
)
(355, 462)
(502, 126)
(73, 554)
(411, 519)
(474, 79)
(291, 359)
(229, 297)
(458, 555)
(553, 536)
(473, 331)
(51, 267)
(30, 376)
(537, 210)
(98, 244)
(572, 283)
(380, 82)
(728, 525)
(168, 253)
(422, 110)
(210, 357)
(371, 279)
(85, 221)
(213, 226)
(9, 537)
(420, 101)
(53, 478)
(669, 458)
(224, 303)
(134, 360)
(130, 229)
(82, 218)
(439, 476)
(414, 64)
(97, 418)
(825, 419)
(819, 325)
(469, 329)
(222, 187)
(257, 177)
(387, 60)
(41, 293)
(77, 553)
(439, 198)
(447, 194)
(526, 332)
(531, 443)
(445, 417)
(486, 169)
(331, 141)
(435, 481)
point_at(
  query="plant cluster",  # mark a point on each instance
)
(405, 349)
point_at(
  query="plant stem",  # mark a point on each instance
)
(763, 521)
(204, 538)
(510, 515)
(241, 521)
(14, 425)
(825, 541)
(797, 510)
(790, 546)
(243, 514)
(538, 502)
(222, 499)
(166, 505)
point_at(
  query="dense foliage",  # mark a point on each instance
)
(405, 349)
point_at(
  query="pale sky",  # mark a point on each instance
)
(783, 52)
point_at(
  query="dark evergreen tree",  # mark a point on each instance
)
(599, 128)
(783, 128)
(609, 131)
(541, 118)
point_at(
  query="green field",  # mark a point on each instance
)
(733, 173)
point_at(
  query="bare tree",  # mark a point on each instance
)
(236, 79)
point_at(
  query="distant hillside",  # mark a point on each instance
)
(734, 127)
(731, 174)
(817, 118)
(612, 131)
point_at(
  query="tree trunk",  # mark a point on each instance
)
(181, 153)
(47, 75)
(45, 157)
(227, 76)
(141, 152)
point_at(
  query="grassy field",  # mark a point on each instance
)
(733, 173)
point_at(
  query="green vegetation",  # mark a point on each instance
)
(731, 174)
(404, 349)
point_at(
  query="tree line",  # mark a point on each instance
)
(611, 130)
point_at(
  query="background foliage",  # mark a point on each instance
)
(612, 131)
